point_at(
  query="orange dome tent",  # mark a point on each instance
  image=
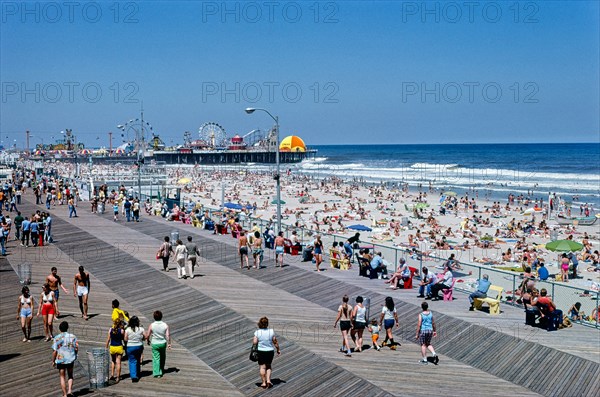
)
(292, 143)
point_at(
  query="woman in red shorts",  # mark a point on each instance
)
(47, 308)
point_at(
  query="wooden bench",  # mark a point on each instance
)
(334, 258)
(493, 302)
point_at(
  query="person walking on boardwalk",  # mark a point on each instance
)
(48, 222)
(243, 250)
(134, 338)
(26, 232)
(25, 313)
(159, 337)
(114, 342)
(359, 323)
(34, 229)
(47, 309)
(279, 248)
(81, 289)
(164, 253)
(54, 281)
(344, 313)
(192, 253)
(318, 250)
(425, 331)
(387, 319)
(257, 249)
(65, 348)
(267, 343)
(181, 257)
(18, 221)
(72, 210)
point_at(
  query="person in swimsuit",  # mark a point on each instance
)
(344, 313)
(279, 243)
(55, 282)
(25, 313)
(47, 309)
(257, 249)
(564, 268)
(359, 323)
(243, 250)
(81, 289)
(318, 251)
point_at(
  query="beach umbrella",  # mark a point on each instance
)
(360, 228)
(487, 237)
(233, 206)
(564, 246)
(421, 205)
(184, 181)
(450, 193)
(275, 202)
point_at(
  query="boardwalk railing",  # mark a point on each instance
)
(563, 294)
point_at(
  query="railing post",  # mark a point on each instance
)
(513, 288)
(597, 299)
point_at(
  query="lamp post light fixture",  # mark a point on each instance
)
(277, 176)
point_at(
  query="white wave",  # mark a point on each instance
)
(482, 180)
(350, 166)
(316, 160)
(429, 166)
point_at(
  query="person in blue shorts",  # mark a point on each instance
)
(279, 245)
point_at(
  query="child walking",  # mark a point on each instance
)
(116, 210)
(425, 331)
(374, 330)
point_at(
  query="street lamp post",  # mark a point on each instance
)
(277, 174)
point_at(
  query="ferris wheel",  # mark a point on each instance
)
(136, 134)
(213, 134)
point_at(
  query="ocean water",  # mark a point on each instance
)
(571, 169)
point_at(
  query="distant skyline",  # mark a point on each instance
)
(402, 72)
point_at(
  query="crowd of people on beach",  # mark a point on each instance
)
(425, 232)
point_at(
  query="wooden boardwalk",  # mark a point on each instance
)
(213, 318)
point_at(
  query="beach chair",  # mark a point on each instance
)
(336, 261)
(493, 300)
(364, 267)
(447, 293)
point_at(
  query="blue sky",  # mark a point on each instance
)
(334, 72)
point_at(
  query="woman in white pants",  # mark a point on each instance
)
(181, 257)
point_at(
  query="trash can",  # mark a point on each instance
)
(98, 367)
(174, 236)
(24, 271)
(307, 254)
